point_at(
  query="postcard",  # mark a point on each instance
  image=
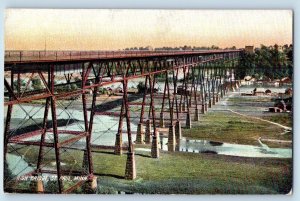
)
(148, 101)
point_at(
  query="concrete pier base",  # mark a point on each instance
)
(37, 186)
(183, 107)
(118, 144)
(90, 186)
(196, 117)
(162, 120)
(178, 133)
(214, 100)
(148, 132)
(130, 171)
(140, 134)
(188, 120)
(155, 148)
(85, 163)
(209, 103)
(205, 107)
(171, 138)
(203, 111)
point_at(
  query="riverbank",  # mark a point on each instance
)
(184, 173)
(243, 120)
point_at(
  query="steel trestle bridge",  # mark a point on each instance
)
(193, 81)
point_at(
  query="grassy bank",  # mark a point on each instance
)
(233, 128)
(187, 173)
(224, 126)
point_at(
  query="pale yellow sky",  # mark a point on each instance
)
(89, 29)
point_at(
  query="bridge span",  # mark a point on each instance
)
(192, 82)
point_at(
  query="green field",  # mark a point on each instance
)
(187, 173)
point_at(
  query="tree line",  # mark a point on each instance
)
(274, 62)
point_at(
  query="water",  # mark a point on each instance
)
(104, 127)
(17, 165)
(205, 146)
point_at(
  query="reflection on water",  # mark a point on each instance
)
(205, 146)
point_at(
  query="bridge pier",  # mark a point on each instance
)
(203, 111)
(162, 120)
(196, 117)
(171, 138)
(178, 133)
(36, 186)
(85, 165)
(140, 134)
(183, 106)
(148, 132)
(214, 100)
(190, 102)
(209, 103)
(188, 120)
(118, 144)
(130, 171)
(205, 107)
(155, 148)
(90, 186)
(222, 94)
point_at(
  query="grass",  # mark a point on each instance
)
(225, 126)
(254, 99)
(187, 173)
(285, 119)
(232, 128)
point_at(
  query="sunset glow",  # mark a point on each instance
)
(68, 29)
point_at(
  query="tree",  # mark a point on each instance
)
(267, 61)
(141, 87)
(36, 84)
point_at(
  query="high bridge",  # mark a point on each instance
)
(192, 82)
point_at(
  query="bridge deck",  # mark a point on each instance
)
(25, 57)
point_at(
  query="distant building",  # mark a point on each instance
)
(149, 48)
(249, 49)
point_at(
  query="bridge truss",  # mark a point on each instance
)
(53, 104)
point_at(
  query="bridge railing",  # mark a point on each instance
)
(25, 56)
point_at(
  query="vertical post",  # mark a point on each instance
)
(93, 104)
(55, 133)
(140, 129)
(188, 115)
(119, 141)
(85, 74)
(8, 117)
(44, 128)
(154, 149)
(177, 130)
(130, 171)
(161, 120)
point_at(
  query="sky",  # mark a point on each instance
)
(114, 29)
